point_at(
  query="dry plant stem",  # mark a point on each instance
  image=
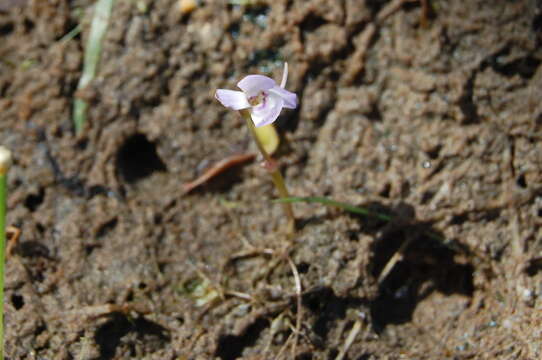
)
(349, 340)
(299, 316)
(216, 169)
(393, 260)
(274, 171)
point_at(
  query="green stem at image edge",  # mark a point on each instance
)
(274, 171)
(3, 195)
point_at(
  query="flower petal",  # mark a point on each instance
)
(290, 99)
(268, 111)
(252, 85)
(232, 99)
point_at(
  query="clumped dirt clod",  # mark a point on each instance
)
(426, 111)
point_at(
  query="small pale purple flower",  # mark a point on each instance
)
(261, 95)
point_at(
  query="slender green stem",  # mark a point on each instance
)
(5, 162)
(274, 171)
(3, 195)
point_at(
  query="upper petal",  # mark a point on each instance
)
(290, 98)
(252, 85)
(268, 111)
(232, 99)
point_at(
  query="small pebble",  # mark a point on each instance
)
(508, 323)
(242, 310)
(187, 6)
(527, 295)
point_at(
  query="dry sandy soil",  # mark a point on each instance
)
(429, 112)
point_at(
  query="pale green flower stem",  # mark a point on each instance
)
(273, 169)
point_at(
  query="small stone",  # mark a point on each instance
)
(527, 295)
(508, 323)
(187, 6)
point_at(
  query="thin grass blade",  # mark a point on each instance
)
(100, 20)
(329, 202)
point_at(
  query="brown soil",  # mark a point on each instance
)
(431, 116)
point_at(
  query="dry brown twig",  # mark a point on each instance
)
(216, 169)
(14, 234)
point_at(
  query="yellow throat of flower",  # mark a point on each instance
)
(257, 100)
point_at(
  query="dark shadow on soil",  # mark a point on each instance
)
(533, 266)
(34, 249)
(230, 347)
(322, 302)
(110, 335)
(524, 66)
(328, 308)
(304, 356)
(34, 200)
(429, 263)
(364, 357)
(467, 104)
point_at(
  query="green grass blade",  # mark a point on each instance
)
(71, 34)
(100, 20)
(328, 202)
